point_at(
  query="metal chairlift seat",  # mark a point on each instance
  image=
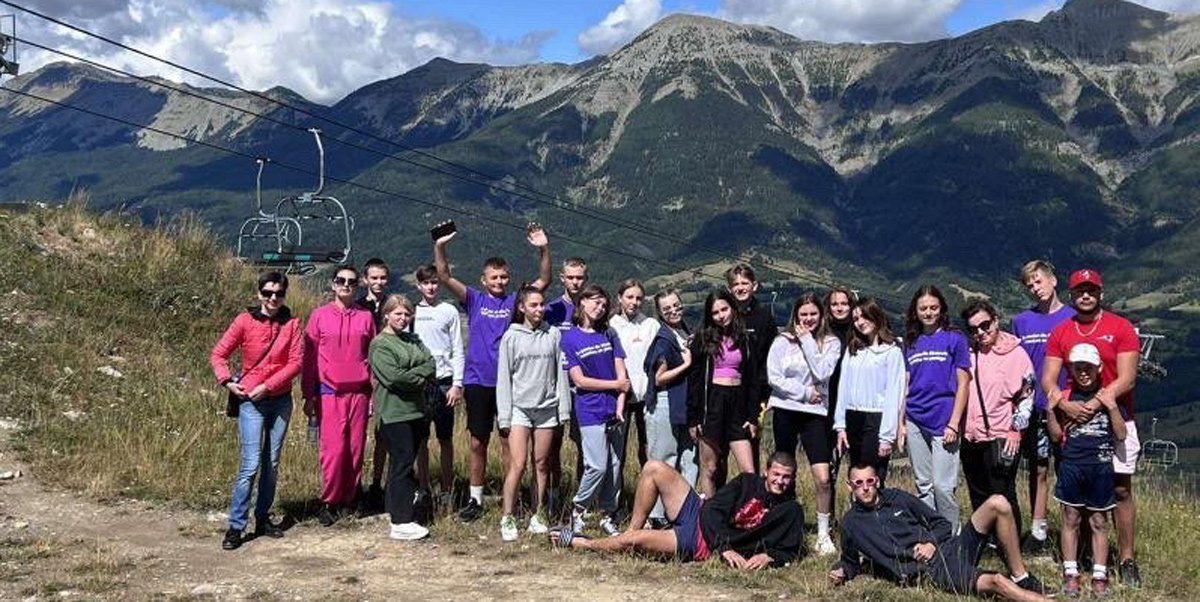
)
(1149, 369)
(263, 231)
(313, 209)
(1157, 452)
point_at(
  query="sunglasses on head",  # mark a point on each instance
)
(338, 280)
(267, 294)
(984, 326)
(867, 482)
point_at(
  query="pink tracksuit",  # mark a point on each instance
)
(335, 371)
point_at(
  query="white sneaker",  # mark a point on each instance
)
(537, 525)
(825, 545)
(578, 524)
(609, 527)
(508, 528)
(409, 532)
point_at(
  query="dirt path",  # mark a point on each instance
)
(57, 545)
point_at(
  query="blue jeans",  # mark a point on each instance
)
(261, 428)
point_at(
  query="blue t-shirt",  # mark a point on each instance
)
(487, 319)
(1090, 442)
(933, 364)
(1034, 328)
(559, 313)
(595, 353)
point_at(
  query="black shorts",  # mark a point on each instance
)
(724, 415)
(809, 430)
(481, 410)
(443, 415)
(953, 566)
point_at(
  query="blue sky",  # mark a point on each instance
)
(325, 49)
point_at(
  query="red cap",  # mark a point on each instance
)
(1085, 276)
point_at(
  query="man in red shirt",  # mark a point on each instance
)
(1119, 349)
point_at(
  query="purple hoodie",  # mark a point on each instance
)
(336, 346)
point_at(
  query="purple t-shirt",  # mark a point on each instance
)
(596, 353)
(487, 319)
(559, 313)
(933, 364)
(1034, 328)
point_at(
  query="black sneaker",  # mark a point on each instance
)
(326, 516)
(1130, 575)
(1033, 546)
(659, 524)
(232, 541)
(471, 512)
(264, 528)
(1032, 584)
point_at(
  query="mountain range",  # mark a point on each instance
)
(1072, 139)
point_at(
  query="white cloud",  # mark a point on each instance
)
(621, 25)
(846, 20)
(323, 49)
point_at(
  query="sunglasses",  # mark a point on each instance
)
(867, 482)
(338, 280)
(267, 294)
(984, 326)
(1085, 290)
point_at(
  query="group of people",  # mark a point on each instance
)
(836, 382)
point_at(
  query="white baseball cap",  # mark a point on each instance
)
(1086, 353)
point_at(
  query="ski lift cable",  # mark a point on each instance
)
(397, 195)
(553, 201)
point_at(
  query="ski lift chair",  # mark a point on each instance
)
(8, 61)
(263, 231)
(323, 217)
(1156, 452)
(1149, 369)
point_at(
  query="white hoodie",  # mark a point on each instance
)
(795, 367)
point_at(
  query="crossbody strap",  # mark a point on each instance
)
(987, 425)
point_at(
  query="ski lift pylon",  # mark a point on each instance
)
(1149, 369)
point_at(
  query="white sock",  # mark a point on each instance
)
(1039, 529)
(1019, 578)
(1070, 568)
(477, 493)
(822, 524)
(1099, 571)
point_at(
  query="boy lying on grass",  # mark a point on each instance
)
(751, 523)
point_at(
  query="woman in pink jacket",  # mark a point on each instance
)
(999, 403)
(337, 390)
(271, 347)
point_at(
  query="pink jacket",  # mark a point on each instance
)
(336, 348)
(251, 333)
(1005, 373)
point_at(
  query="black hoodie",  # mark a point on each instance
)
(883, 537)
(745, 517)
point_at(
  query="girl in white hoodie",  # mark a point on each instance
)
(533, 397)
(801, 361)
(871, 391)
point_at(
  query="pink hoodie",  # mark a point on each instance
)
(335, 351)
(1002, 374)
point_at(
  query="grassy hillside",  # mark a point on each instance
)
(103, 362)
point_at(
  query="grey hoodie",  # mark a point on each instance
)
(530, 373)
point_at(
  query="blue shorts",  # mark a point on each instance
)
(1088, 486)
(686, 525)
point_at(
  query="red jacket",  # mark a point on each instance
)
(251, 333)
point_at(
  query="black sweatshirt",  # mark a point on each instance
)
(884, 537)
(746, 518)
(762, 330)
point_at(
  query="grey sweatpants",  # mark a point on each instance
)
(936, 470)
(670, 444)
(601, 480)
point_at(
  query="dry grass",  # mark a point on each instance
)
(83, 295)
